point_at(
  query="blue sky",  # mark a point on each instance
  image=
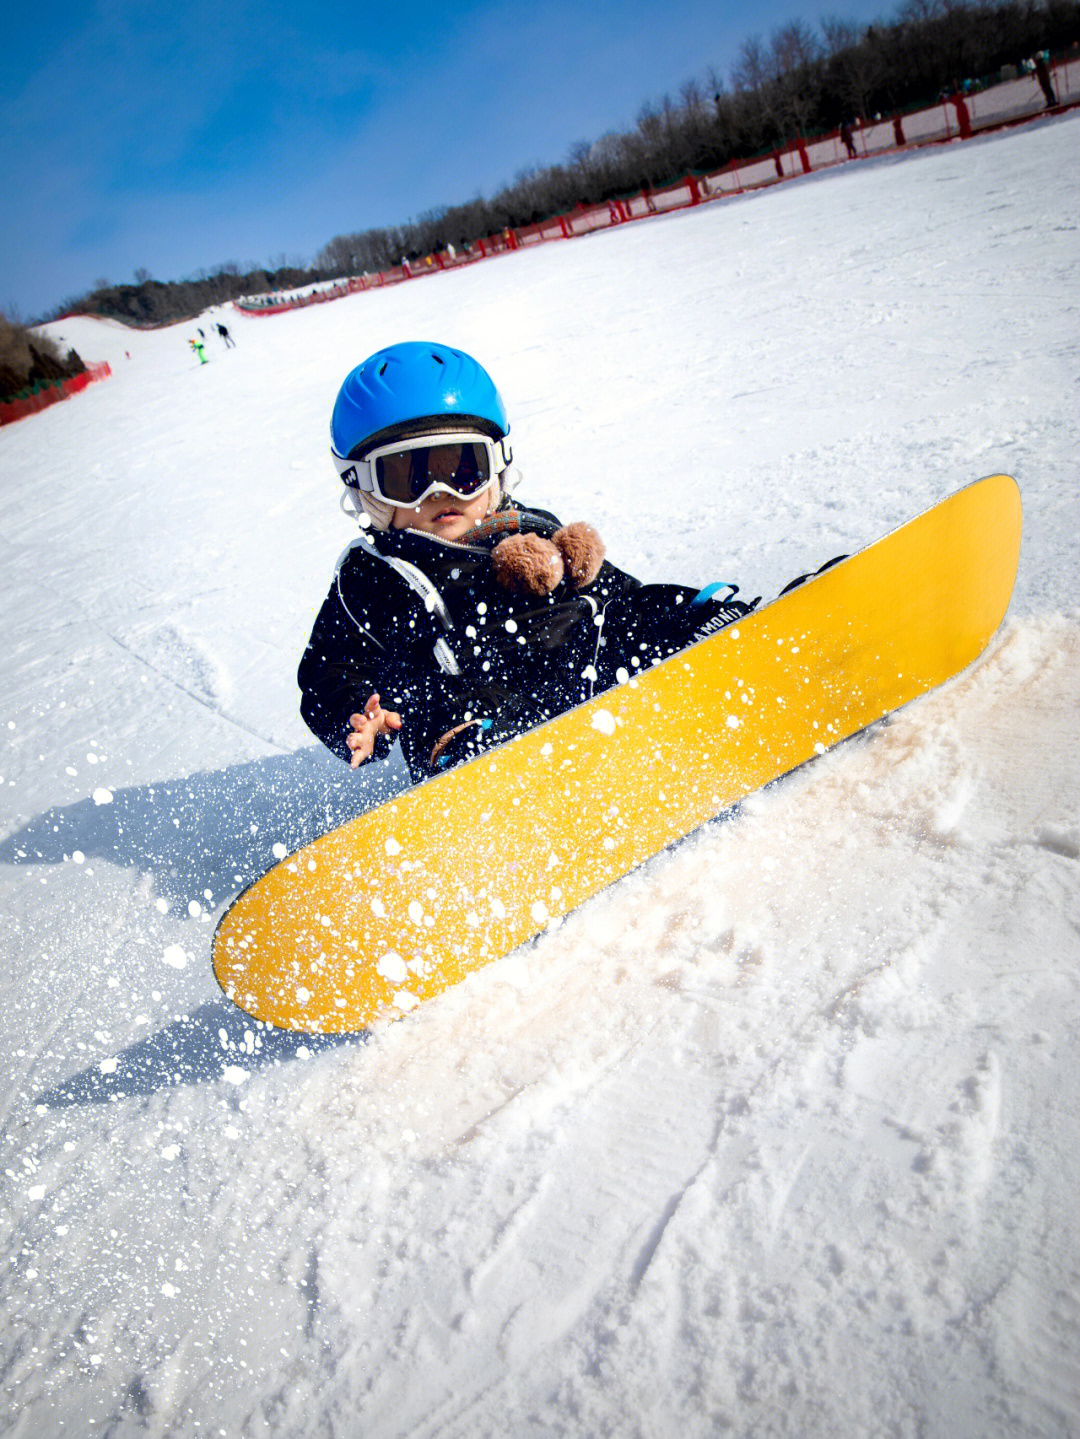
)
(185, 137)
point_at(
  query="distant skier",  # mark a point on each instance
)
(1042, 74)
(474, 618)
(229, 341)
(198, 349)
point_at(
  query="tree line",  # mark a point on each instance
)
(151, 302)
(800, 82)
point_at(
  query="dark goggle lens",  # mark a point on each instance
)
(406, 476)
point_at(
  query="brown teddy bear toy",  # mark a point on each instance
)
(529, 564)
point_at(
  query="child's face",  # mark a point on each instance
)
(448, 516)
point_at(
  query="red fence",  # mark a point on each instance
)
(959, 116)
(42, 396)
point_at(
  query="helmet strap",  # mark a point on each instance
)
(368, 512)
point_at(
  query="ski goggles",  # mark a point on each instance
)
(405, 472)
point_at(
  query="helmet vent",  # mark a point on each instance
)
(437, 358)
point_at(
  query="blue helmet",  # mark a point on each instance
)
(403, 389)
(406, 390)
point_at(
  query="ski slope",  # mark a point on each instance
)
(778, 1137)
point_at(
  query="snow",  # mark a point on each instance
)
(775, 1137)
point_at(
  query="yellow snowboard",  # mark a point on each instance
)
(399, 904)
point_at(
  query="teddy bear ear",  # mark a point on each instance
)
(527, 565)
(582, 552)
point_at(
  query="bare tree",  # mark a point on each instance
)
(839, 34)
(794, 51)
(751, 70)
(753, 78)
(793, 47)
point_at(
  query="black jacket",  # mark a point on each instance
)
(421, 622)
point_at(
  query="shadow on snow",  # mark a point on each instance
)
(196, 1049)
(211, 831)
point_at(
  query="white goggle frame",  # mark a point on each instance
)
(363, 474)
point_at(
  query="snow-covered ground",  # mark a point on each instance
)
(776, 1137)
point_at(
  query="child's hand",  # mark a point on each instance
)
(374, 721)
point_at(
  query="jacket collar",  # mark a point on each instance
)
(418, 545)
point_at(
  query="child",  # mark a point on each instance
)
(459, 618)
